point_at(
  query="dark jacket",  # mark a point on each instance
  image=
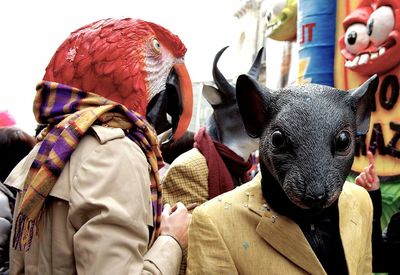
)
(7, 201)
(386, 245)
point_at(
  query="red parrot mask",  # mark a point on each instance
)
(371, 43)
(133, 62)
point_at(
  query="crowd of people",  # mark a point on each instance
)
(84, 195)
(15, 144)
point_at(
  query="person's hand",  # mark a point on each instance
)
(175, 223)
(368, 178)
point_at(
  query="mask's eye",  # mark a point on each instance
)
(380, 24)
(156, 45)
(356, 38)
(278, 139)
(342, 141)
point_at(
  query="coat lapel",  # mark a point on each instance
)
(283, 234)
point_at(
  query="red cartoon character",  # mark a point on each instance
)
(371, 41)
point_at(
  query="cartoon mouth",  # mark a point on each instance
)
(364, 57)
(273, 26)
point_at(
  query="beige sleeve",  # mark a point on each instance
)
(207, 251)
(186, 180)
(109, 207)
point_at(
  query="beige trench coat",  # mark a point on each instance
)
(97, 218)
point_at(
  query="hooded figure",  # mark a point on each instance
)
(90, 199)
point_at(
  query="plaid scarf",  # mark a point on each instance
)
(70, 113)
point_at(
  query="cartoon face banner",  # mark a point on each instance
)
(368, 42)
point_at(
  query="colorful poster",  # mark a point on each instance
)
(368, 43)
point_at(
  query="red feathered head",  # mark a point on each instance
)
(133, 62)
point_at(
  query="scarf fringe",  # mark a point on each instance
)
(24, 230)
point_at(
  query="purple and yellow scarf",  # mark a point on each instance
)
(70, 113)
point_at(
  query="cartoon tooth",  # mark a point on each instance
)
(374, 55)
(348, 64)
(363, 59)
(355, 60)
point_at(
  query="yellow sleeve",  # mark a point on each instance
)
(208, 253)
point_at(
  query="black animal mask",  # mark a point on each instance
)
(307, 136)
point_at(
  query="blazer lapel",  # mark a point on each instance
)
(350, 228)
(283, 234)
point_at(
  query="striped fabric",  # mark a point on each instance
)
(70, 112)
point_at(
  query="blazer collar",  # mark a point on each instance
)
(349, 226)
(282, 233)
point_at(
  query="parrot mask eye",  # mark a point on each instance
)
(156, 46)
(163, 112)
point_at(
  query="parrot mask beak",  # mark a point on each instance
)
(172, 107)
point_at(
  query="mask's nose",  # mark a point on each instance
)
(315, 199)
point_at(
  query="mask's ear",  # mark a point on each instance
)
(212, 95)
(362, 97)
(252, 100)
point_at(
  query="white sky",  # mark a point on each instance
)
(31, 31)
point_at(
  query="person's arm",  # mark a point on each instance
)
(370, 181)
(391, 239)
(109, 208)
(379, 251)
(5, 230)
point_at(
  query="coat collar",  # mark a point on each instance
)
(286, 236)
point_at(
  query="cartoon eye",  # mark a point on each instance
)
(356, 38)
(156, 45)
(274, 8)
(342, 141)
(278, 139)
(278, 6)
(269, 16)
(380, 24)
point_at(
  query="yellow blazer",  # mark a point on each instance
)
(235, 233)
